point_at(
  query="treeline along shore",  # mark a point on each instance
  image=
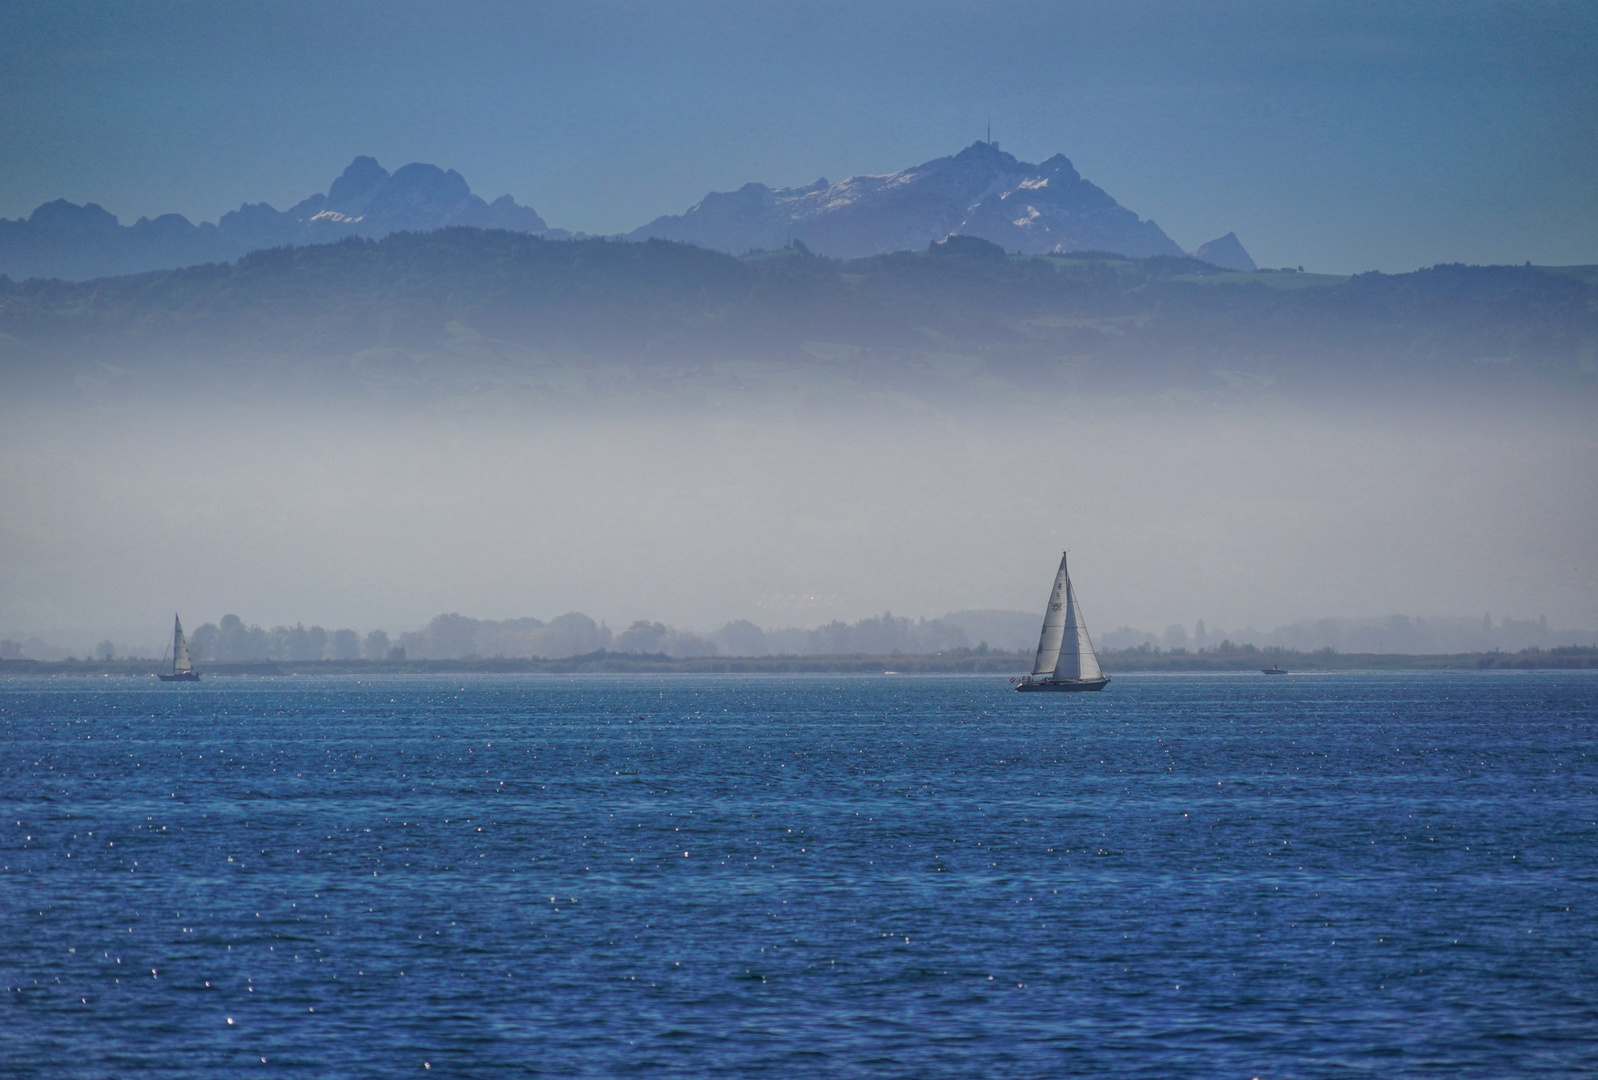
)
(956, 661)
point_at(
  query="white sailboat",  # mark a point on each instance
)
(1065, 660)
(182, 665)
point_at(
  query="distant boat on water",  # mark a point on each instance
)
(182, 666)
(1273, 670)
(1065, 660)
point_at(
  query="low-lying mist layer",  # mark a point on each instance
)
(1252, 514)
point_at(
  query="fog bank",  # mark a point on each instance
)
(1252, 514)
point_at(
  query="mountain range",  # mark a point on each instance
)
(981, 191)
(64, 240)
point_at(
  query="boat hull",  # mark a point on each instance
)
(180, 676)
(1061, 685)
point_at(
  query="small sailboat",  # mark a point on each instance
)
(182, 666)
(1065, 660)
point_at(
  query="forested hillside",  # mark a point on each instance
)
(468, 311)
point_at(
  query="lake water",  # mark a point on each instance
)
(1388, 875)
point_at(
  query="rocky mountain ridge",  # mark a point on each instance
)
(64, 240)
(981, 191)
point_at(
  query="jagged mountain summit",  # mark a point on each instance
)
(1226, 252)
(981, 191)
(63, 240)
(367, 200)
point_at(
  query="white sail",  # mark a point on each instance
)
(1077, 659)
(180, 648)
(1053, 634)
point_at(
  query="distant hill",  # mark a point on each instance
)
(469, 311)
(1226, 252)
(64, 240)
(981, 191)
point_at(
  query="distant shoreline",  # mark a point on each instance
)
(960, 661)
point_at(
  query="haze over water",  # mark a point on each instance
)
(1182, 876)
(1243, 513)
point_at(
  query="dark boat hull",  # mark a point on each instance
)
(180, 676)
(1062, 685)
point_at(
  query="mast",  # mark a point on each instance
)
(180, 648)
(1053, 634)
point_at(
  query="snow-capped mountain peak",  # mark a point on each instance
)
(981, 191)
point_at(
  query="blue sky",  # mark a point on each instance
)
(1342, 136)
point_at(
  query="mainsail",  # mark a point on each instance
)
(1053, 625)
(180, 648)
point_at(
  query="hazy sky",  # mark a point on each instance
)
(1343, 136)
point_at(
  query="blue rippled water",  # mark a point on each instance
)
(1388, 875)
